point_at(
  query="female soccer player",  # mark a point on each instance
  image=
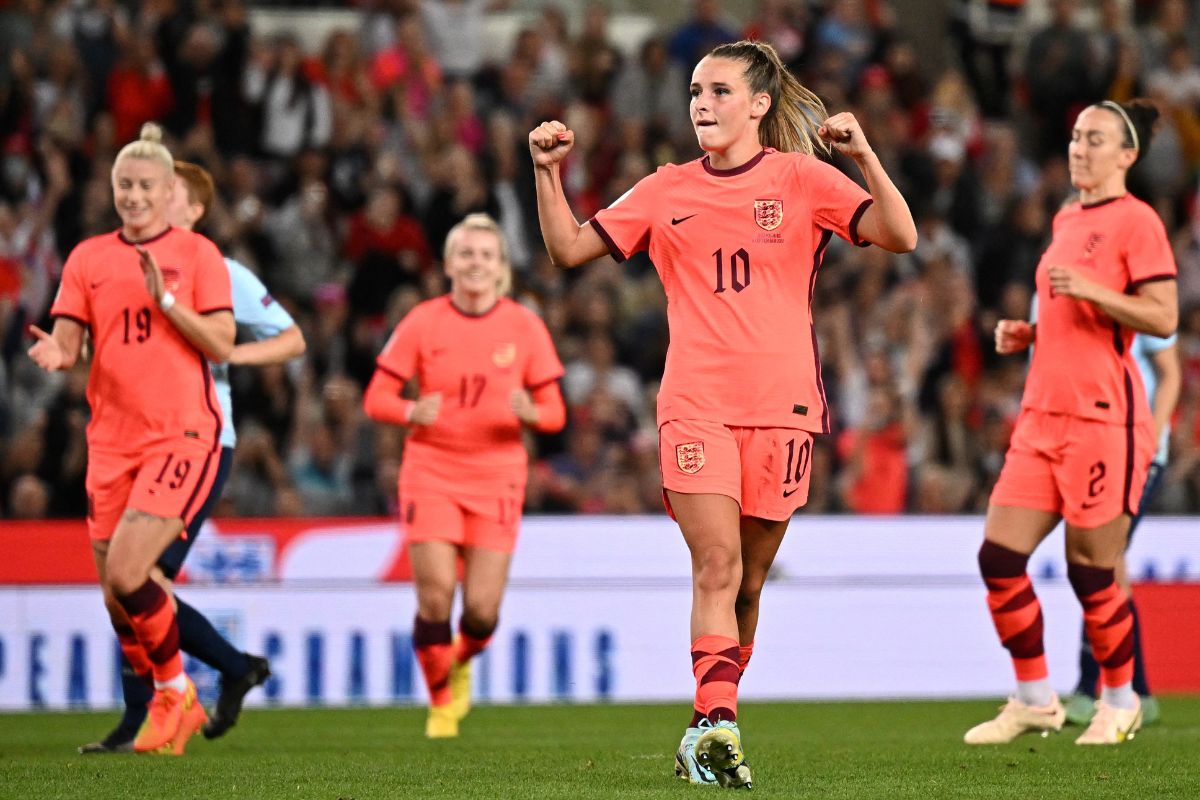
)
(484, 366)
(737, 237)
(157, 302)
(276, 338)
(1083, 442)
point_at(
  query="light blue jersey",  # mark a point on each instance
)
(1144, 348)
(256, 313)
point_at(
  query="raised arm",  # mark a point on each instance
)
(887, 222)
(568, 243)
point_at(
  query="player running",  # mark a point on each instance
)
(275, 338)
(484, 366)
(156, 300)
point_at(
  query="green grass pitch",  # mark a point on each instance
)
(798, 750)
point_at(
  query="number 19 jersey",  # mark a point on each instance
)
(738, 253)
(147, 382)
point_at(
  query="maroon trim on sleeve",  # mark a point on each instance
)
(71, 317)
(1153, 279)
(613, 249)
(533, 387)
(729, 173)
(389, 371)
(206, 312)
(854, 220)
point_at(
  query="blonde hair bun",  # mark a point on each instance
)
(151, 132)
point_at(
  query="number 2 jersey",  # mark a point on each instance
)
(738, 252)
(147, 382)
(1082, 359)
(475, 362)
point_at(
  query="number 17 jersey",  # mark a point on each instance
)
(738, 253)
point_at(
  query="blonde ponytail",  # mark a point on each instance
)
(791, 124)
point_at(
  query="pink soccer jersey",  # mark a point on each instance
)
(1082, 363)
(475, 363)
(147, 382)
(738, 252)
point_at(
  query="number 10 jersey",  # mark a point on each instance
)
(738, 252)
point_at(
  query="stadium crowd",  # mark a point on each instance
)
(341, 170)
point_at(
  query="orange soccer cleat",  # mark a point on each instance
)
(166, 718)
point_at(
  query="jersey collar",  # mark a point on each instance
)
(729, 173)
(121, 235)
(1104, 202)
(476, 314)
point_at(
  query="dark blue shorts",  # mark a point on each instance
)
(171, 561)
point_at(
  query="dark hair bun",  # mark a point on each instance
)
(1143, 114)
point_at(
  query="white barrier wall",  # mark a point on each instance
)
(598, 610)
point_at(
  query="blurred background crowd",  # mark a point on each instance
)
(344, 154)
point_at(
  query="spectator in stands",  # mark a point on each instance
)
(386, 248)
(138, 90)
(1060, 73)
(650, 92)
(29, 499)
(700, 33)
(457, 32)
(295, 110)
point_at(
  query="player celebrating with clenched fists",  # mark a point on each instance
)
(737, 237)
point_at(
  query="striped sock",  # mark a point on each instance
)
(1108, 621)
(134, 653)
(715, 665)
(1015, 609)
(152, 618)
(744, 653)
(472, 640)
(435, 654)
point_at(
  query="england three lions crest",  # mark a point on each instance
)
(768, 214)
(504, 355)
(172, 277)
(690, 457)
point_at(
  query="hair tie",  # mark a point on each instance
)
(1109, 104)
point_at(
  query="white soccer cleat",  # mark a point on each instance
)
(1112, 725)
(687, 768)
(719, 749)
(1016, 718)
